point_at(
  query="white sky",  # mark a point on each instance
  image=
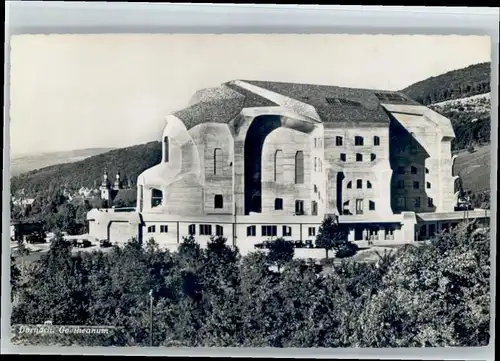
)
(82, 91)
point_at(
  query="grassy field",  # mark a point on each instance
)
(474, 169)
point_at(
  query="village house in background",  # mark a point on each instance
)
(252, 161)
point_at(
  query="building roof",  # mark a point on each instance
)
(333, 104)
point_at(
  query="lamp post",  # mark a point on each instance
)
(151, 318)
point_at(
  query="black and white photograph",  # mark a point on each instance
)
(250, 190)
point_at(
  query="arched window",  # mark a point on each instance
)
(217, 161)
(376, 140)
(218, 201)
(368, 184)
(165, 150)
(156, 197)
(358, 140)
(299, 167)
(373, 156)
(279, 160)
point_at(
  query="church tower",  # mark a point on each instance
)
(118, 182)
(105, 188)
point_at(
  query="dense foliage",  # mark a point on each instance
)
(436, 294)
(130, 162)
(461, 83)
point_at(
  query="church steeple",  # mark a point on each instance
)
(118, 183)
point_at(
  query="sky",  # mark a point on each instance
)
(83, 91)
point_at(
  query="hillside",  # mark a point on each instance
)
(28, 162)
(456, 84)
(463, 97)
(130, 162)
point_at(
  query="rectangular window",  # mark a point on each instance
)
(401, 202)
(251, 231)
(432, 230)
(401, 170)
(416, 185)
(401, 184)
(269, 231)
(359, 157)
(278, 204)
(141, 198)
(371, 205)
(287, 231)
(338, 141)
(417, 202)
(428, 185)
(430, 202)
(358, 140)
(219, 230)
(151, 229)
(192, 229)
(359, 206)
(163, 229)
(315, 142)
(343, 157)
(314, 208)
(299, 207)
(413, 170)
(376, 140)
(312, 231)
(205, 229)
(359, 183)
(299, 167)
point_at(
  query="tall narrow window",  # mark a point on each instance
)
(376, 140)
(278, 203)
(359, 206)
(368, 184)
(358, 140)
(416, 185)
(343, 157)
(217, 161)
(141, 198)
(315, 164)
(219, 230)
(349, 185)
(192, 229)
(359, 157)
(165, 150)
(311, 231)
(299, 167)
(417, 202)
(156, 197)
(287, 231)
(315, 142)
(428, 185)
(315, 189)
(279, 160)
(338, 141)
(373, 156)
(430, 202)
(218, 201)
(371, 205)
(299, 207)
(359, 183)
(314, 207)
(251, 231)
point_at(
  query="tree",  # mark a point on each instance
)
(280, 252)
(331, 235)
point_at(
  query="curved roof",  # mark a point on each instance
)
(333, 104)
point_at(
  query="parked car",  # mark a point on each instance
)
(83, 243)
(105, 243)
(309, 243)
(298, 244)
(35, 238)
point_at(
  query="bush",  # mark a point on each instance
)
(347, 250)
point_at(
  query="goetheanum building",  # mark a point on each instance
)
(254, 160)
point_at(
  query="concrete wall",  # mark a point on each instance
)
(377, 171)
(121, 232)
(289, 141)
(208, 137)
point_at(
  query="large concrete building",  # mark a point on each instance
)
(255, 160)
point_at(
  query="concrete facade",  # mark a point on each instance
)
(254, 161)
